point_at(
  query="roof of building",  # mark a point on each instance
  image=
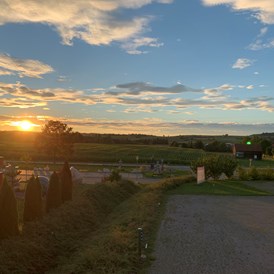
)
(244, 147)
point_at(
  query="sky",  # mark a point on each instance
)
(161, 67)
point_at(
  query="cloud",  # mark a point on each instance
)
(62, 78)
(95, 22)
(259, 42)
(137, 88)
(161, 127)
(137, 97)
(151, 126)
(250, 87)
(263, 10)
(5, 72)
(24, 68)
(132, 46)
(242, 63)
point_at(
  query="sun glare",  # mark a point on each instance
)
(25, 125)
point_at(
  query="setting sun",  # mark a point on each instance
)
(25, 125)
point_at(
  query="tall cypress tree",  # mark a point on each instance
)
(66, 182)
(54, 194)
(8, 212)
(33, 208)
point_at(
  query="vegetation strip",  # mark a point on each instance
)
(61, 232)
(97, 231)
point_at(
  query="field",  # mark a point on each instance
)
(112, 153)
(106, 153)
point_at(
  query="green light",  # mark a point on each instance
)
(248, 143)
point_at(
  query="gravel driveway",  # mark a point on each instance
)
(216, 234)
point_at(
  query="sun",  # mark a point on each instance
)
(25, 125)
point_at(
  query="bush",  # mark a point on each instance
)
(114, 176)
(8, 212)
(253, 174)
(54, 194)
(243, 174)
(66, 183)
(267, 174)
(33, 207)
(215, 165)
(171, 183)
(229, 165)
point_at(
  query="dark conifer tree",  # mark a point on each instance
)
(33, 208)
(54, 194)
(8, 212)
(66, 182)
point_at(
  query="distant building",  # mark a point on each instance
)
(248, 151)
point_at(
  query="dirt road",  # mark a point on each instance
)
(216, 234)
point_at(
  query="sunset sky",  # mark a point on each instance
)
(158, 67)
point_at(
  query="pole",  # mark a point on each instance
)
(140, 239)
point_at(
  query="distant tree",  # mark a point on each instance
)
(217, 146)
(8, 212)
(56, 139)
(174, 144)
(33, 207)
(198, 144)
(54, 194)
(66, 183)
(254, 139)
(269, 151)
(265, 144)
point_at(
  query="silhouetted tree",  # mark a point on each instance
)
(56, 139)
(198, 144)
(265, 144)
(33, 207)
(66, 182)
(54, 194)
(8, 212)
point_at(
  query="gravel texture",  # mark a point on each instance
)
(216, 234)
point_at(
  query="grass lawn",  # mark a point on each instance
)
(265, 163)
(218, 188)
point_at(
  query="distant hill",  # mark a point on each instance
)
(28, 137)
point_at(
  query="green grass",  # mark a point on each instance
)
(106, 153)
(97, 231)
(234, 188)
(45, 243)
(265, 163)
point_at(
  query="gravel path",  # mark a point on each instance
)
(216, 234)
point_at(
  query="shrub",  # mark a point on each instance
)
(66, 183)
(229, 165)
(199, 163)
(253, 174)
(171, 183)
(114, 176)
(215, 165)
(33, 207)
(8, 212)
(54, 194)
(243, 174)
(267, 174)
